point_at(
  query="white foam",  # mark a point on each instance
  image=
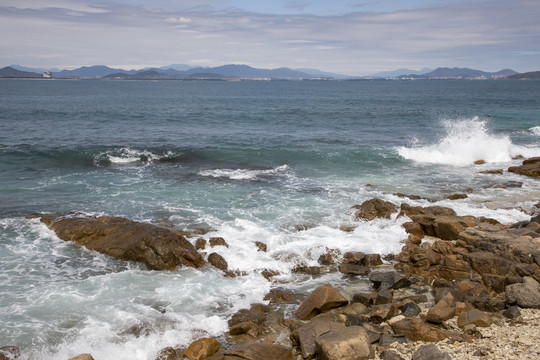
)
(464, 142)
(535, 130)
(242, 174)
(125, 156)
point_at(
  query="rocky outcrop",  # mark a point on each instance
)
(158, 248)
(529, 167)
(374, 208)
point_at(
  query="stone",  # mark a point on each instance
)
(353, 257)
(329, 257)
(304, 337)
(200, 244)
(202, 348)
(484, 262)
(12, 353)
(512, 312)
(414, 228)
(388, 339)
(282, 296)
(354, 269)
(430, 211)
(380, 313)
(441, 312)
(384, 280)
(158, 248)
(251, 350)
(372, 260)
(430, 352)
(415, 329)
(366, 299)
(457, 196)
(479, 162)
(492, 172)
(383, 297)
(167, 354)
(529, 167)
(217, 241)
(349, 343)
(320, 300)
(374, 208)
(80, 357)
(261, 246)
(248, 321)
(525, 295)
(218, 261)
(390, 355)
(475, 317)
(411, 309)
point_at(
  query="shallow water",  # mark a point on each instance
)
(250, 161)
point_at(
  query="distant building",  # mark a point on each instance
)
(47, 75)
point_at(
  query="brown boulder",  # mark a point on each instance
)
(529, 167)
(305, 336)
(257, 351)
(476, 317)
(320, 300)
(10, 352)
(415, 329)
(217, 241)
(349, 343)
(158, 248)
(525, 295)
(441, 312)
(202, 348)
(374, 208)
(432, 211)
(218, 261)
(80, 357)
(354, 269)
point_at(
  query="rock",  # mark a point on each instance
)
(525, 295)
(354, 257)
(329, 257)
(489, 263)
(384, 280)
(411, 309)
(475, 317)
(257, 351)
(356, 320)
(354, 269)
(431, 211)
(415, 329)
(304, 337)
(383, 297)
(158, 248)
(366, 299)
(248, 321)
(388, 339)
(512, 312)
(457, 196)
(390, 355)
(441, 312)
(479, 162)
(414, 228)
(282, 296)
(430, 352)
(492, 172)
(374, 208)
(372, 260)
(320, 300)
(218, 241)
(200, 244)
(349, 343)
(202, 348)
(218, 261)
(380, 313)
(261, 246)
(81, 357)
(167, 354)
(529, 167)
(10, 353)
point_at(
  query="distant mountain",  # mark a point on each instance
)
(245, 71)
(35, 70)
(397, 73)
(96, 71)
(324, 74)
(178, 67)
(460, 73)
(9, 72)
(526, 76)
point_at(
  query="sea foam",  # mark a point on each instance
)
(466, 141)
(242, 174)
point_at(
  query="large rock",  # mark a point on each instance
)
(476, 317)
(430, 352)
(375, 208)
(158, 248)
(415, 329)
(349, 343)
(529, 167)
(441, 312)
(384, 280)
(305, 336)
(9, 353)
(202, 349)
(320, 300)
(82, 357)
(525, 295)
(257, 351)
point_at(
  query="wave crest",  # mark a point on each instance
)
(127, 156)
(242, 174)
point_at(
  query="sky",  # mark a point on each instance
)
(341, 36)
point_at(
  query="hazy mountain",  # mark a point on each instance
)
(527, 75)
(464, 73)
(396, 73)
(35, 70)
(9, 72)
(324, 74)
(178, 67)
(96, 71)
(245, 71)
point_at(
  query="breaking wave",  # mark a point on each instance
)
(243, 174)
(129, 156)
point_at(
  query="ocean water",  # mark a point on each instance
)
(278, 162)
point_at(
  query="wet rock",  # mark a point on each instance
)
(158, 248)
(512, 312)
(372, 260)
(320, 300)
(475, 317)
(354, 257)
(529, 167)
(430, 211)
(349, 343)
(375, 208)
(492, 172)
(167, 354)
(248, 321)
(217, 241)
(10, 353)
(414, 228)
(354, 269)
(79, 357)
(304, 337)
(257, 351)
(430, 352)
(202, 348)
(218, 261)
(384, 280)
(281, 296)
(415, 329)
(261, 246)
(479, 162)
(200, 244)
(366, 299)
(329, 257)
(457, 196)
(525, 295)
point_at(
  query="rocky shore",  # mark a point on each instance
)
(463, 287)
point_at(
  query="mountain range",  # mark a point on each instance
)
(233, 71)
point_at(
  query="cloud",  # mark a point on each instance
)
(482, 34)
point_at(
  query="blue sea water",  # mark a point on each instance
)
(249, 161)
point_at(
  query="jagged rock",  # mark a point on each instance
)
(353, 257)
(431, 211)
(529, 167)
(488, 263)
(415, 329)
(261, 246)
(167, 354)
(372, 260)
(349, 343)
(200, 244)
(320, 300)
(158, 248)
(384, 280)
(430, 352)
(304, 337)
(374, 208)
(218, 241)
(257, 351)
(79, 357)
(512, 312)
(380, 313)
(383, 297)
(329, 257)
(202, 348)
(525, 295)
(441, 312)
(282, 296)
(411, 309)
(218, 261)
(248, 321)
(476, 317)
(354, 269)
(366, 299)
(10, 353)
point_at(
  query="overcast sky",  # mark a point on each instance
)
(344, 36)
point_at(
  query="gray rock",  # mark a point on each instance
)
(525, 295)
(430, 352)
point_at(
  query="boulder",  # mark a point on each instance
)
(390, 355)
(218, 261)
(10, 353)
(415, 329)
(384, 280)
(320, 300)
(305, 336)
(261, 246)
(354, 269)
(202, 348)
(512, 312)
(248, 321)
(525, 295)
(349, 343)
(431, 211)
(354, 257)
(374, 208)
(441, 312)
(158, 248)
(475, 317)
(82, 357)
(251, 350)
(484, 262)
(217, 241)
(430, 352)
(529, 167)
(167, 354)
(372, 260)
(411, 309)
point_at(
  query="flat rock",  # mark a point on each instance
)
(384, 280)
(202, 348)
(304, 337)
(415, 329)
(476, 317)
(349, 343)
(257, 351)
(158, 248)
(430, 352)
(525, 295)
(320, 300)
(529, 167)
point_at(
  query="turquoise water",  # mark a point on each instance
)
(250, 161)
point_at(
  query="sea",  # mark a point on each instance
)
(277, 162)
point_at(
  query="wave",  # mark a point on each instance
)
(535, 130)
(464, 142)
(128, 156)
(242, 174)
